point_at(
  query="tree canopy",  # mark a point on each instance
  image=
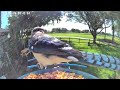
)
(34, 18)
(96, 20)
(23, 21)
(20, 22)
(117, 28)
(114, 17)
(93, 19)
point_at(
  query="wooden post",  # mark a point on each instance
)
(69, 40)
(60, 38)
(79, 40)
(79, 43)
(89, 43)
(89, 40)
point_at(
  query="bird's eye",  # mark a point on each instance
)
(35, 30)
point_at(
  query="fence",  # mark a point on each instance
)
(88, 40)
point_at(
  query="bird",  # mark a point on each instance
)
(49, 50)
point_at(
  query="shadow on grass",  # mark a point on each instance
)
(107, 50)
(102, 73)
(108, 41)
(96, 48)
(79, 46)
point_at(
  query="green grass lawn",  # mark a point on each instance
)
(102, 73)
(82, 35)
(102, 49)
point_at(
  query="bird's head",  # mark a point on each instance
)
(37, 30)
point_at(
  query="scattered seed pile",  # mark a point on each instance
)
(55, 75)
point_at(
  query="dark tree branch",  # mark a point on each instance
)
(102, 29)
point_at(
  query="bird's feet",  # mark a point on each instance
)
(57, 67)
(40, 66)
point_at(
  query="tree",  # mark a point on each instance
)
(106, 21)
(105, 32)
(117, 28)
(19, 22)
(63, 30)
(113, 30)
(56, 30)
(94, 20)
(75, 30)
(113, 16)
(59, 30)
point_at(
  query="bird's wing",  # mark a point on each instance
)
(47, 40)
(73, 52)
(53, 46)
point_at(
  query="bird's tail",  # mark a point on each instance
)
(74, 54)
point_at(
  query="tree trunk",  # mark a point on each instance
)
(94, 39)
(113, 35)
(105, 32)
(94, 36)
(113, 31)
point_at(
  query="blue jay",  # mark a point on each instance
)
(49, 50)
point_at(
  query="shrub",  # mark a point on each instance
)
(75, 30)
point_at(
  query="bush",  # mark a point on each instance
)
(59, 30)
(85, 31)
(75, 30)
(108, 34)
(102, 33)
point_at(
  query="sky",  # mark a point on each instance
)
(69, 25)
(63, 24)
(4, 19)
